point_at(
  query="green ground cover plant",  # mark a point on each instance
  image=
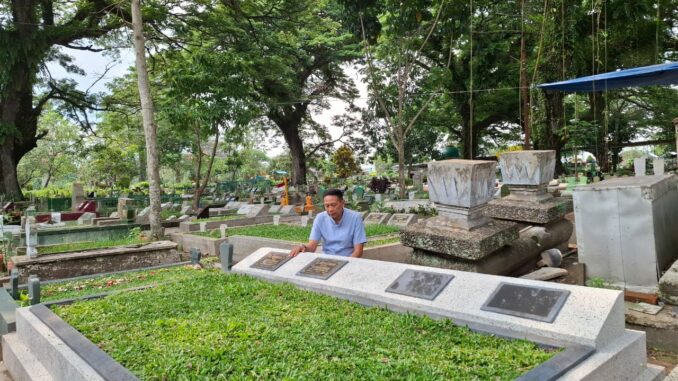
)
(113, 282)
(220, 218)
(289, 232)
(215, 326)
(78, 246)
(382, 241)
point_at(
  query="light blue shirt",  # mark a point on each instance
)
(339, 238)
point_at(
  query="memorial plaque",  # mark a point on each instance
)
(322, 268)
(376, 218)
(271, 261)
(535, 303)
(420, 284)
(402, 219)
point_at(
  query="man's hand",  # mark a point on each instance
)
(297, 249)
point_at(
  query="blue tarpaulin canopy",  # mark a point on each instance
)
(663, 74)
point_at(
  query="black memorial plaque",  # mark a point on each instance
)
(536, 303)
(322, 268)
(420, 284)
(271, 261)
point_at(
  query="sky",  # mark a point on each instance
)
(94, 64)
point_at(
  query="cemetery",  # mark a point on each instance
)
(341, 190)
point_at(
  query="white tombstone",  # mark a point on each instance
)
(528, 173)
(222, 229)
(411, 195)
(56, 217)
(203, 226)
(658, 167)
(31, 237)
(276, 220)
(639, 166)
(310, 214)
(304, 221)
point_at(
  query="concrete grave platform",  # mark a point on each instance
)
(471, 245)
(589, 318)
(534, 212)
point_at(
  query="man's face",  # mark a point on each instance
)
(333, 206)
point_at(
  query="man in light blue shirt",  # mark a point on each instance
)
(341, 230)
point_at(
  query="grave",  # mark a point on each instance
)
(77, 196)
(587, 323)
(636, 215)
(274, 209)
(460, 190)
(253, 210)
(402, 219)
(377, 218)
(288, 210)
(527, 175)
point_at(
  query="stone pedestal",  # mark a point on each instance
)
(527, 174)
(460, 190)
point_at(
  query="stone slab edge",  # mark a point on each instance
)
(7, 312)
(538, 213)
(363, 283)
(47, 258)
(102, 363)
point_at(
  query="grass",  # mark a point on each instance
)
(288, 232)
(217, 327)
(382, 241)
(113, 282)
(219, 218)
(78, 246)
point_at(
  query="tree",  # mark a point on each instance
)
(30, 33)
(147, 113)
(345, 163)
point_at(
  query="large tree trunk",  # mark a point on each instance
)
(469, 133)
(401, 166)
(288, 119)
(555, 116)
(147, 111)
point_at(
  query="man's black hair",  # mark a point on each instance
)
(334, 192)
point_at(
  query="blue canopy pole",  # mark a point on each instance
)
(662, 74)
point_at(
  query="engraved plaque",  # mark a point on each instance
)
(402, 219)
(376, 218)
(420, 284)
(322, 268)
(271, 261)
(536, 303)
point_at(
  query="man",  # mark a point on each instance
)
(342, 230)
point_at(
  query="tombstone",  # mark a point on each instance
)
(377, 218)
(526, 175)
(639, 166)
(14, 283)
(114, 215)
(253, 210)
(658, 167)
(244, 209)
(310, 214)
(460, 190)
(33, 290)
(86, 218)
(31, 231)
(196, 255)
(222, 230)
(203, 226)
(402, 219)
(77, 196)
(276, 220)
(418, 179)
(56, 217)
(226, 256)
(636, 216)
(143, 216)
(262, 200)
(274, 209)
(186, 209)
(304, 221)
(144, 212)
(411, 195)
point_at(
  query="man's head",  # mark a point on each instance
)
(333, 200)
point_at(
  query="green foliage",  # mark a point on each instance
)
(215, 326)
(289, 232)
(82, 246)
(344, 162)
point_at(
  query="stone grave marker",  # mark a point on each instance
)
(322, 268)
(271, 261)
(196, 255)
(420, 284)
(639, 166)
(145, 212)
(402, 219)
(244, 209)
(114, 215)
(226, 256)
(274, 209)
(310, 214)
(14, 283)
(304, 221)
(78, 196)
(203, 226)
(33, 290)
(56, 217)
(536, 303)
(377, 218)
(186, 209)
(257, 210)
(658, 167)
(526, 176)
(276, 220)
(222, 229)
(86, 218)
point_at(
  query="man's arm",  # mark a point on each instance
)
(357, 250)
(310, 247)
